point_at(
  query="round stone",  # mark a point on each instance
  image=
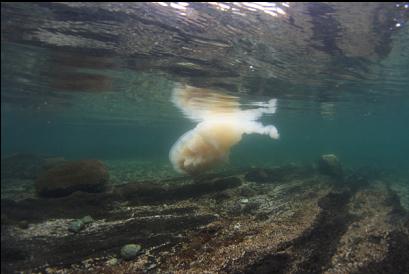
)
(244, 201)
(112, 262)
(75, 226)
(130, 251)
(87, 219)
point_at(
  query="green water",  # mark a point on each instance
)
(209, 137)
(78, 83)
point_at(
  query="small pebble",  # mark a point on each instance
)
(152, 266)
(75, 226)
(112, 262)
(130, 251)
(87, 219)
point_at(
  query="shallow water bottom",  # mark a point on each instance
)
(288, 219)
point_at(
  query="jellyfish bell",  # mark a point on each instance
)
(198, 104)
(221, 126)
(204, 147)
(209, 144)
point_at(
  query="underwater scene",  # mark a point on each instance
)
(205, 137)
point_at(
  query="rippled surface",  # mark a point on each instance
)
(335, 47)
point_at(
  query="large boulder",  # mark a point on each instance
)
(71, 176)
(329, 164)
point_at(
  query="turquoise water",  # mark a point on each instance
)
(164, 93)
(361, 134)
(85, 101)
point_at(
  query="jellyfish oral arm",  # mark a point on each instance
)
(258, 128)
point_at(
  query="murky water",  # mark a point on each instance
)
(178, 95)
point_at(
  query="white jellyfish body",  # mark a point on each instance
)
(221, 125)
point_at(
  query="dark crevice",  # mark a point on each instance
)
(396, 260)
(312, 251)
(273, 263)
(315, 248)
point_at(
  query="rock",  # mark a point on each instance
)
(330, 165)
(66, 178)
(75, 226)
(87, 219)
(130, 251)
(112, 262)
(244, 201)
(152, 266)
